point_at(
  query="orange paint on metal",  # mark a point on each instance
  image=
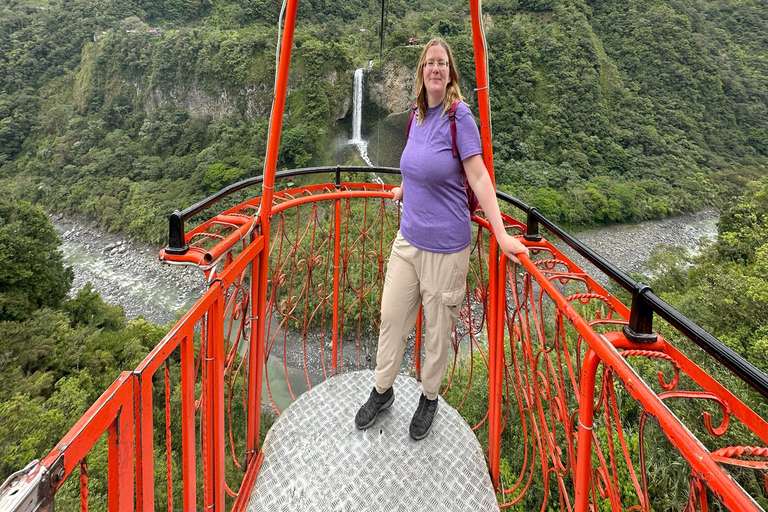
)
(83, 486)
(255, 365)
(188, 452)
(168, 452)
(145, 487)
(336, 283)
(494, 357)
(483, 98)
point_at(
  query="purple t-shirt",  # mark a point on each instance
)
(435, 212)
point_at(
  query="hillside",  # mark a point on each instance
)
(603, 111)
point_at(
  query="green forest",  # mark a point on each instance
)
(121, 111)
(604, 111)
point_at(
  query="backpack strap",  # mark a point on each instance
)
(414, 108)
(452, 118)
(472, 202)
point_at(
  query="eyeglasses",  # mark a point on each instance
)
(439, 64)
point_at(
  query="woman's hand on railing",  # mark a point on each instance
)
(511, 246)
(397, 194)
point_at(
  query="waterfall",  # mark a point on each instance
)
(357, 117)
(357, 107)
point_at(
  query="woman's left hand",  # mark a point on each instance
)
(511, 246)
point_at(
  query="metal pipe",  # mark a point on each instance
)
(481, 75)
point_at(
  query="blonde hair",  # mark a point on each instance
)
(452, 91)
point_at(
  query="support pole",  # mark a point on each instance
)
(483, 97)
(336, 278)
(494, 357)
(255, 362)
(270, 166)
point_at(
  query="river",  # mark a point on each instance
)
(126, 272)
(628, 246)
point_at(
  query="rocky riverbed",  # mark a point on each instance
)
(628, 246)
(126, 272)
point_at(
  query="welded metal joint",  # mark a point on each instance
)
(532, 227)
(176, 243)
(33, 488)
(640, 327)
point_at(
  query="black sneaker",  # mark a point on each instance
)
(422, 418)
(376, 403)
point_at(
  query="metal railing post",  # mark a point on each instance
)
(188, 455)
(495, 353)
(640, 327)
(145, 486)
(336, 279)
(120, 460)
(213, 410)
(532, 227)
(255, 361)
(584, 437)
(176, 243)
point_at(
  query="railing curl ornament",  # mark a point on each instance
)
(669, 386)
(707, 417)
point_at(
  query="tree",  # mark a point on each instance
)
(32, 274)
(220, 175)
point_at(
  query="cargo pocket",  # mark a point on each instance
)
(454, 298)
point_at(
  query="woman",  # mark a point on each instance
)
(430, 256)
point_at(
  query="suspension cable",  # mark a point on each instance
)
(382, 25)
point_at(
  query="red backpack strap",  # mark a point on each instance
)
(414, 108)
(472, 202)
(452, 118)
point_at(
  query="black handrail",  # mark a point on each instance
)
(644, 301)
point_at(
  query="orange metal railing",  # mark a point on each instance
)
(541, 344)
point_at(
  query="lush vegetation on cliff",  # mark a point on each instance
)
(603, 111)
(57, 354)
(724, 287)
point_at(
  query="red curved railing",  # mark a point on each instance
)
(567, 375)
(541, 345)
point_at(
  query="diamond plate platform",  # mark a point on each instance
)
(316, 459)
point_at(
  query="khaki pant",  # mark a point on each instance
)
(436, 280)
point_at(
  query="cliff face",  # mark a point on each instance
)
(200, 103)
(339, 109)
(392, 88)
(255, 101)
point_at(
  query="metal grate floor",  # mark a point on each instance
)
(316, 459)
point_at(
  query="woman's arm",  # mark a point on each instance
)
(480, 181)
(398, 193)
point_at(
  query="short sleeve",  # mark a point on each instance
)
(467, 135)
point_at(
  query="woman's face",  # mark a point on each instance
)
(436, 77)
